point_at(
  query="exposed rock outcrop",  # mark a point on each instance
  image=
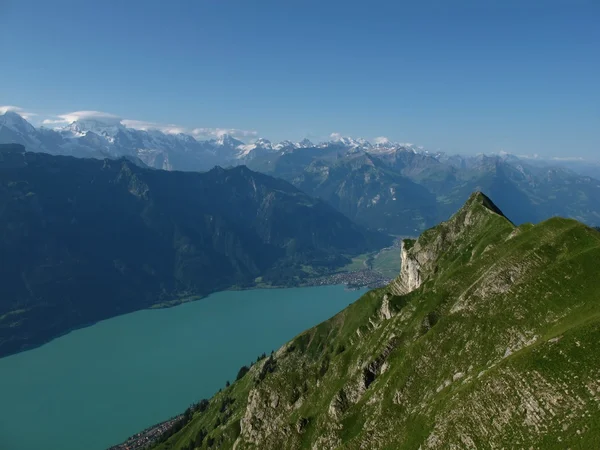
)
(410, 271)
(420, 257)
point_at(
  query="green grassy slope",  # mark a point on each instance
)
(495, 349)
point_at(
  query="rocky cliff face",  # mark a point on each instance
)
(486, 340)
(410, 277)
(421, 258)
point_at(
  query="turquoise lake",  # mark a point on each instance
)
(96, 386)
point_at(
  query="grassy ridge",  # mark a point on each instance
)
(495, 349)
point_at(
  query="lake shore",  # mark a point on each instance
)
(142, 368)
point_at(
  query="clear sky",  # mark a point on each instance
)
(521, 76)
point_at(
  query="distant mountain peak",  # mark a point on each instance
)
(305, 143)
(227, 140)
(263, 143)
(260, 146)
(12, 115)
(479, 198)
(479, 218)
(15, 121)
(101, 127)
(285, 145)
(349, 142)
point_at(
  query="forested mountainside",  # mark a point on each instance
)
(86, 239)
(487, 339)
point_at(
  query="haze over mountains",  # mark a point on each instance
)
(397, 188)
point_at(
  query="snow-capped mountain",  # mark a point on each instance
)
(348, 142)
(14, 121)
(286, 146)
(251, 151)
(372, 183)
(108, 137)
(13, 128)
(106, 128)
(304, 143)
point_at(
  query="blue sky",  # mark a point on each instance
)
(460, 76)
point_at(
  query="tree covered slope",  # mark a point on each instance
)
(85, 239)
(487, 339)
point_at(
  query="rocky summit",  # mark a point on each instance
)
(487, 339)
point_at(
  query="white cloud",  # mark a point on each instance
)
(112, 119)
(553, 158)
(16, 109)
(5, 109)
(143, 125)
(335, 136)
(381, 140)
(53, 122)
(567, 158)
(218, 132)
(106, 118)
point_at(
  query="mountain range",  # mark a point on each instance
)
(109, 138)
(395, 188)
(404, 192)
(487, 339)
(85, 239)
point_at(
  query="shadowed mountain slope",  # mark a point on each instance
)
(86, 239)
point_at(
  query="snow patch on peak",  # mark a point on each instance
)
(264, 143)
(248, 151)
(245, 150)
(107, 128)
(346, 141)
(305, 143)
(227, 140)
(15, 121)
(285, 145)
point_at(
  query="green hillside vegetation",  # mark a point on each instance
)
(385, 261)
(87, 239)
(487, 339)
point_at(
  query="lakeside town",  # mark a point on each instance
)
(148, 437)
(352, 280)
